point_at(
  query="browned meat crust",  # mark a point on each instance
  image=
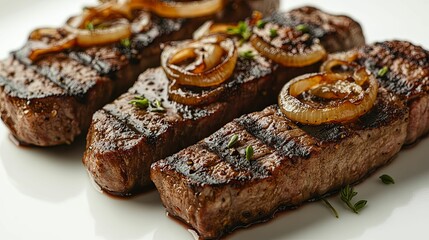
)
(407, 76)
(215, 189)
(122, 142)
(51, 101)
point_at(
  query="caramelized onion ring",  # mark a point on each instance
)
(340, 62)
(48, 40)
(115, 31)
(287, 59)
(173, 9)
(345, 109)
(185, 96)
(212, 58)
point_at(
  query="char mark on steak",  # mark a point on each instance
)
(51, 101)
(407, 76)
(119, 158)
(215, 189)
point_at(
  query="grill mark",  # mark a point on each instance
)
(287, 145)
(405, 84)
(22, 81)
(197, 169)
(235, 156)
(122, 119)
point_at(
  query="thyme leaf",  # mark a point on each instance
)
(90, 26)
(383, 71)
(249, 152)
(273, 33)
(386, 179)
(247, 55)
(302, 28)
(260, 23)
(346, 194)
(126, 42)
(232, 141)
(242, 30)
(140, 102)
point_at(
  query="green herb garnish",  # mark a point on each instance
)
(383, 71)
(232, 141)
(347, 194)
(273, 33)
(242, 30)
(386, 179)
(302, 28)
(126, 42)
(330, 207)
(249, 152)
(156, 106)
(260, 23)
(140, 102)
(144, 103)
(90, 26)
(247, 55)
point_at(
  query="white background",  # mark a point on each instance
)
(46, 194)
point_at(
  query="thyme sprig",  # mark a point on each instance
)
(334, 211)
(346, 194)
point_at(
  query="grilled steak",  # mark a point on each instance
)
(51, 101)
(407, 76)
(215, 189)
(220, 189)
(123, 142)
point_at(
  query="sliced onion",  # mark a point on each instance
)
(338, 110)
(288, 46)
(205, 62)
(287, 59)
(174, 9)
(210, 27)
(187, 96)
(48, 40)
(115, 31)
(340, 62)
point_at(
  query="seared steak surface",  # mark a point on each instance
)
(51, 101)
(216, 189)
(122, 141)
(407, 76)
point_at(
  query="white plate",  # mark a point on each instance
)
(46, 194)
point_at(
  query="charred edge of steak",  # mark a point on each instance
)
(336, 32)
(220, 189)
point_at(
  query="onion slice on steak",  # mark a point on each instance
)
(206, 62)
(112, 31)
(49, 40)
(287, 46)
(328, 97)
(177, 9)
(193, 96)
